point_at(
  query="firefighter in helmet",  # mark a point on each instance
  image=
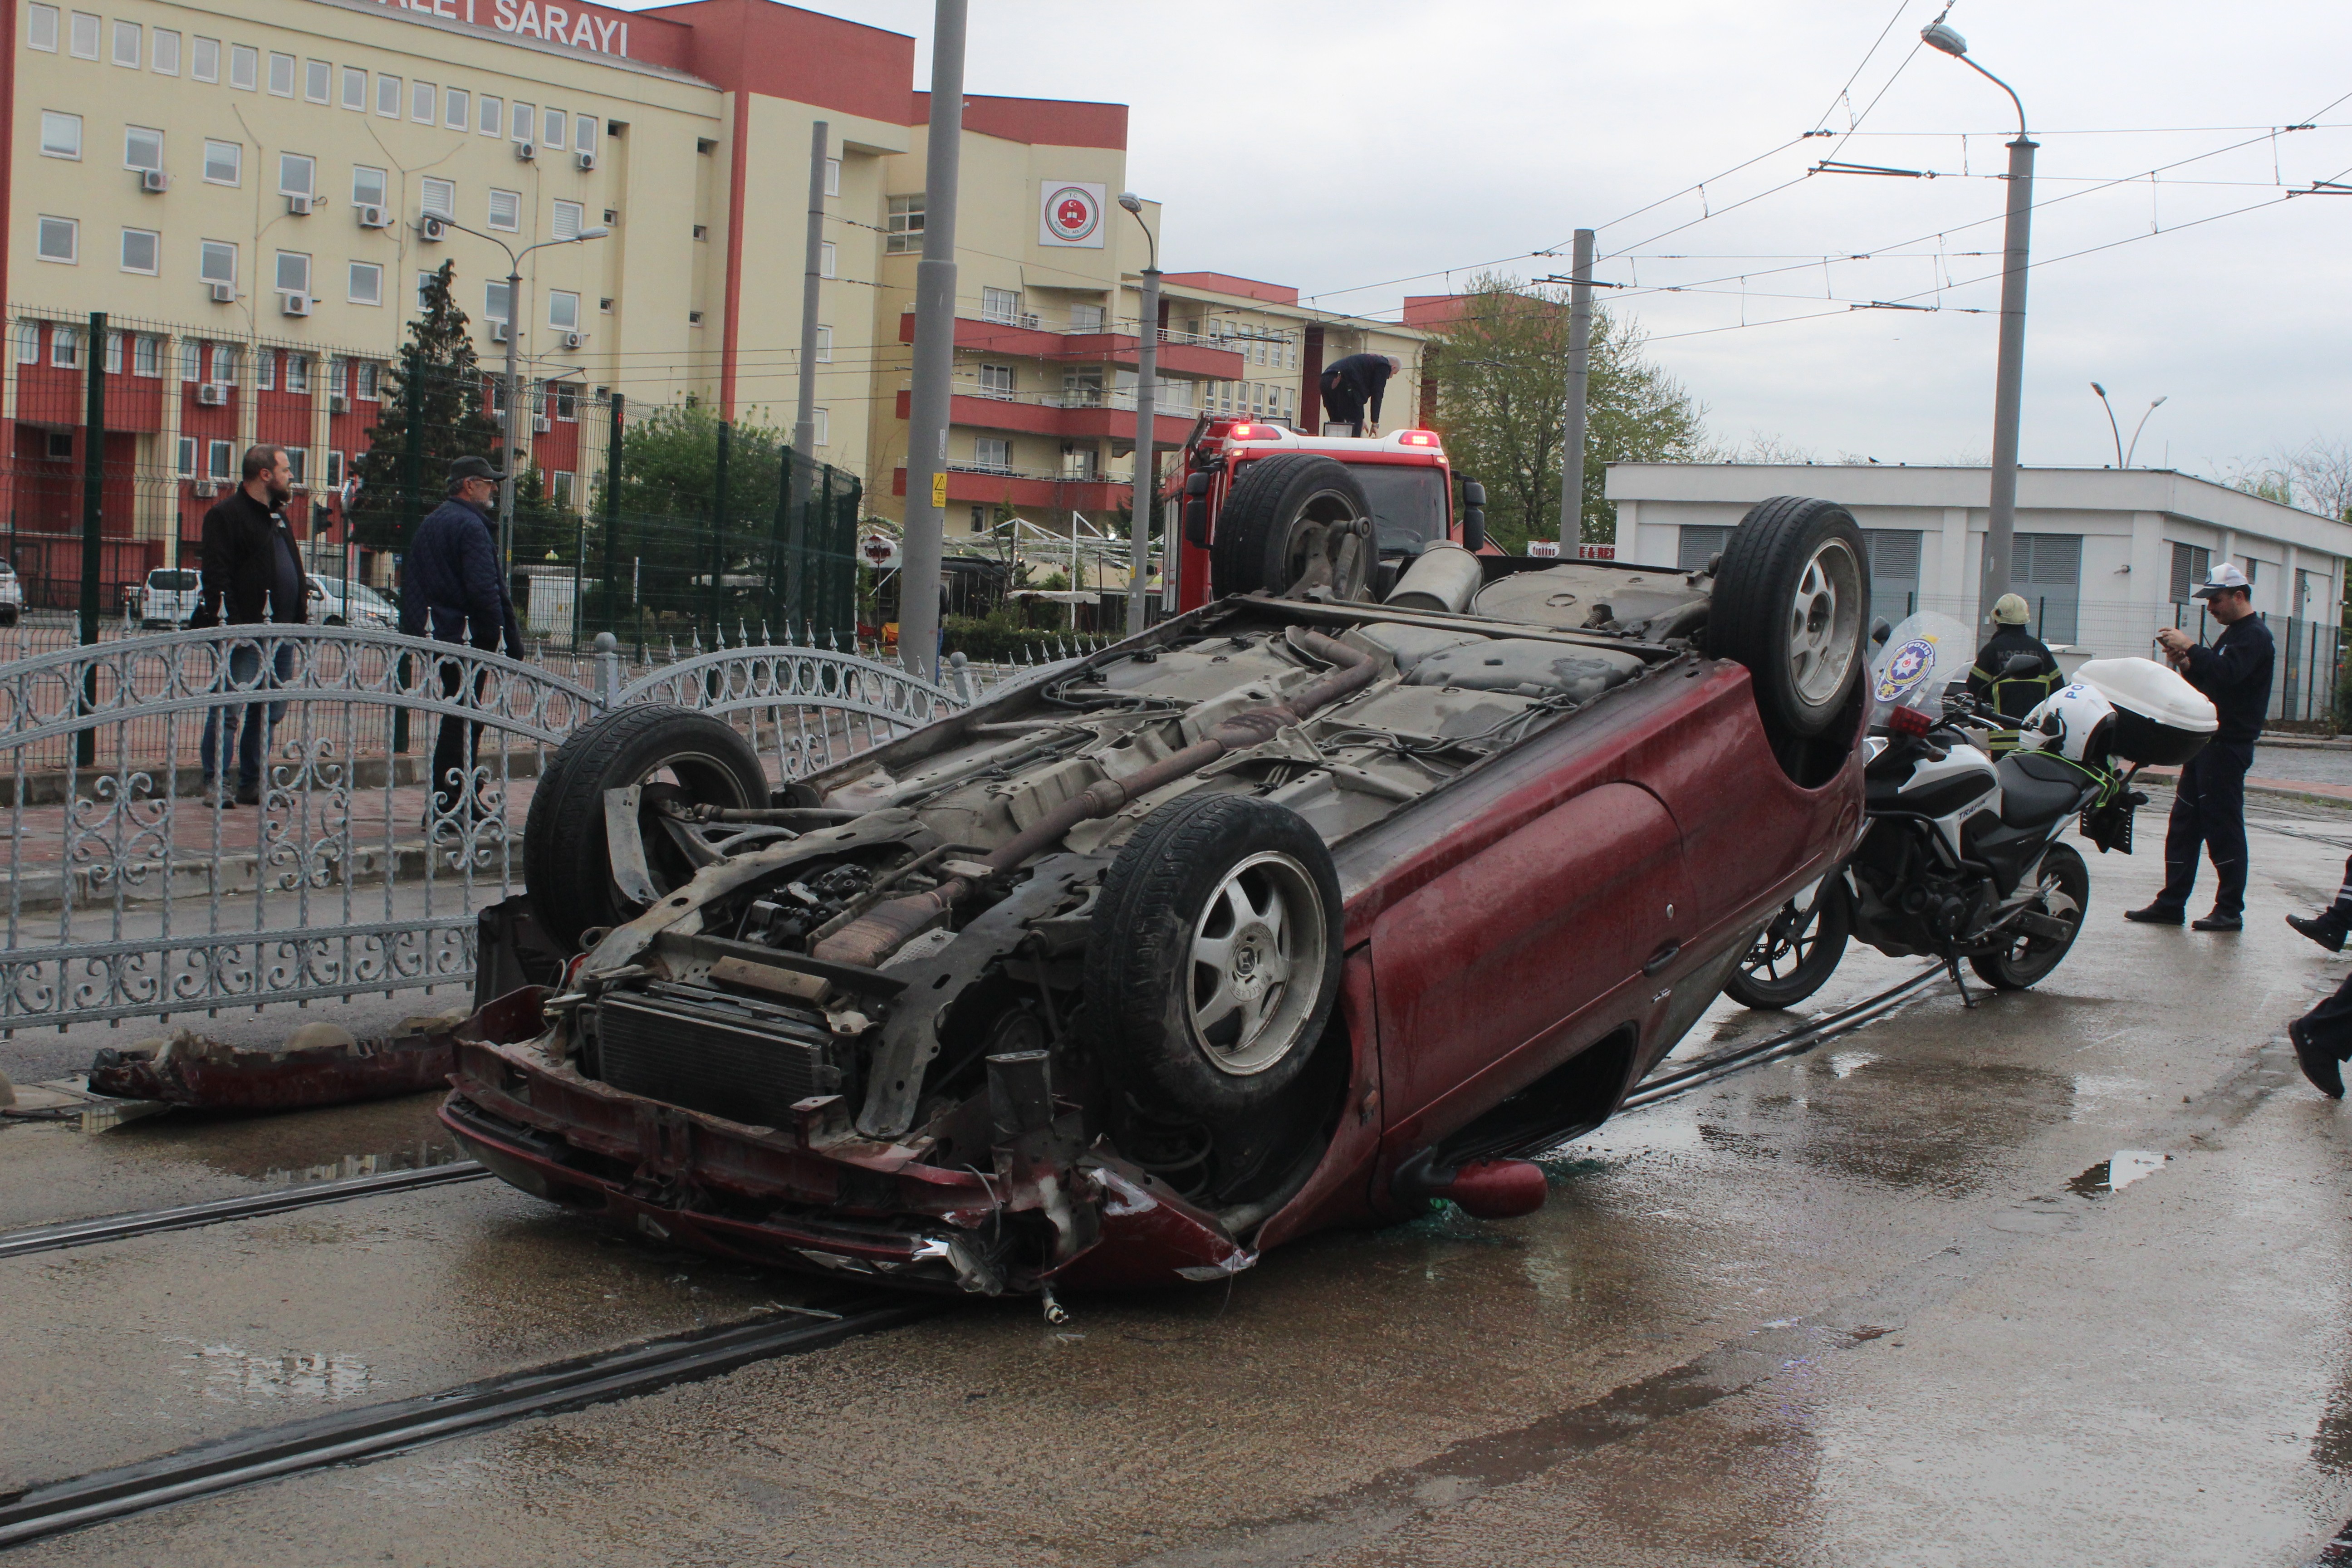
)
(2012, 696)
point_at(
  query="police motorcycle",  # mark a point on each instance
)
(1959, 857)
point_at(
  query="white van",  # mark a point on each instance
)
(170, 597)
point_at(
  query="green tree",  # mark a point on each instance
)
(436, 388)
(1501, 369)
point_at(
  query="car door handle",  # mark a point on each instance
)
(1662, 957)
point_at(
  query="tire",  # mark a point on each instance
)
(7, 615)
(1792, 601)
(2028, 959)
(1180, 915)
(566, 867)
(1796, 954)
(1295, 522)
(332, 621)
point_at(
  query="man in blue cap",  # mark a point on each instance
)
(2209, 808)
(456, 591)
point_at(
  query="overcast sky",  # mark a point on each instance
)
(1337, 146)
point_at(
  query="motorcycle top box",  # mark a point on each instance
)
(2159, 718)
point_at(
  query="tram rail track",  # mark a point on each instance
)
(1794, 1042)
(250, 1205)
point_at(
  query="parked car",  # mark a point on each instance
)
(169, 597)
(334, 603)
(12, 596)
(1289, 913)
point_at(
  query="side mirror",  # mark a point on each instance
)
(1472, 493)
(1196, 484)
(1196, 521)
(1474, 528)
(1880, 630)
(2020, 663)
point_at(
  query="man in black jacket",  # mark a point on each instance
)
(455, 589)
(252, 575)
(1353, 384)
(2208, 809)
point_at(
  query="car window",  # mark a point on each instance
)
(167, 581)
(1408, 504)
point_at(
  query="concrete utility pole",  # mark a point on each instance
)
(934, 367)
(514, 414)
(805, 419)
(1147, 466)
(2008, 375)
(1580, 377)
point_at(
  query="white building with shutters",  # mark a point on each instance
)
(2103, 556)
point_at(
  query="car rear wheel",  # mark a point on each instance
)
(1214, 963)
(1295, 524)
(677, 755)
(2032, 955)
(1792, 601)
(1796, 954)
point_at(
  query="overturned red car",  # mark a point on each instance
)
(1296, 910)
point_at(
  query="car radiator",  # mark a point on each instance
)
(704, 1051)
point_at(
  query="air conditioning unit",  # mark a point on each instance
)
(211, 395)
(224, 293)
(293, 301)
(154, 182)
(541, 424)
(576, 340)
(430, 229)
(498, 331)
(586, 160)
(525, 151)
(207, 488)
(302, 206)
(375, 217)
(337, 403)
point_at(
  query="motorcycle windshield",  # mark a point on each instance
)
(1921, 657)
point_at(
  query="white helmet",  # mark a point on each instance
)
(2073, 721)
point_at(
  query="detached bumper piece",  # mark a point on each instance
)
(319, 1064)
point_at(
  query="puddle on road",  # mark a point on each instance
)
(234, 1376)
(2118, 1171)
(420, 1155)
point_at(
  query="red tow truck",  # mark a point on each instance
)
(1264, 504)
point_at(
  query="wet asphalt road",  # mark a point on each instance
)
(1882, 1304)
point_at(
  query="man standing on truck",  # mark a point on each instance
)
(2208, 809)
(1354, 385)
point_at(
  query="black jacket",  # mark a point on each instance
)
(239, 580)
(2235, 672)
(1365, 376)
(451, 587)
(2014, 696)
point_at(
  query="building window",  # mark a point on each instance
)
(824, 345)
(992, 454)
(903, 226)
(2191, 563)
(423, 106)
(203, 59)
(293, 272)
(1696, 546)
(562, 310)
(364, 380)
(833, 176)
(368, 187)
(296, 174)
(187, 464)
(114, 353)
(334, 471)
(65, 348)
(457, 109)
(551, 125)
(297, 463)
(824, 427)
(126, 44)
(265, 371)
(147, 356)
(141, 148)
(996, 381)
(494, 301)
(224, 362)
(2046, 570)
(218, 459)
(491, 110)
(244, 68)
(60, 135)
(318, 81)
(298, 372)
(223, 163)
(522, 122)
(440, 199)
(1000, 305)
(568, 217)
(567, 402)
(559, 488)
(585, 139)
(281, 76)
(828, 260)
(60, 240)
(366, 286)
(28, 343)
(218, 263)
(1078, 462)
(355, 88)
(505, 210)
(424, 290)
(82, 43)
(141, 250)
(41, 28)
(163, 56)
(192, 358)
(387, 96)
(1086, 318)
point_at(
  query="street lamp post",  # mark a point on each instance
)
(2124, 454)
(1147, 466)
(514, 340)
(2000, 522)
(2133, 450)
(2112, 425)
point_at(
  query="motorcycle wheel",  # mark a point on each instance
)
(2065, 881)
(1797, 952)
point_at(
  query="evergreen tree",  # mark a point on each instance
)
(437, 387)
